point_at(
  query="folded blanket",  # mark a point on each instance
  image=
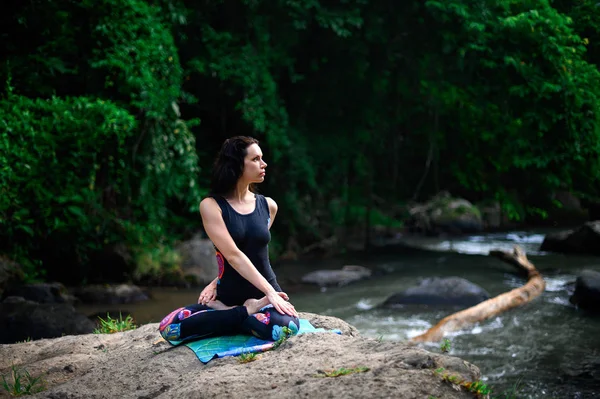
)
(234, 345)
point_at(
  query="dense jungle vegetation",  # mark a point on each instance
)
(111, 112)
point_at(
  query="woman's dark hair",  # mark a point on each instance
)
(229, 165)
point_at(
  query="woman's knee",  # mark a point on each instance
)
(170, 326)
(271, 325)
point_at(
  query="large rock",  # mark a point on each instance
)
(134, 365)
(450, 291)
(22, 320)
(110, 294)
(445, 214)
(568, 201)
(41, 293)
(348, 274)
(583, 240)
(587, 291)
(491, 215)
(198, 259)
(10, 272)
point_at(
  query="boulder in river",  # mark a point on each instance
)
(587, 291)
(10, 272)
(134, 364)
(110, 294)
(583, 240)
(40, 293)
(445, 214)
(448, 291)
(346, 275)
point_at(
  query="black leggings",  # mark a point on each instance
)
(200, 321)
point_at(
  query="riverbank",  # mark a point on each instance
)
(134, 365)
(547, 348)
(389, 263)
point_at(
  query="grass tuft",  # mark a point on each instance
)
(445, 345)
(343, 371)
(110, 325)
(22, 383)
(286, 334)
(480, 389)
(248, 357)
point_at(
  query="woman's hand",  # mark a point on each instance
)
(209, 293)
(284, 295)
(280, 304)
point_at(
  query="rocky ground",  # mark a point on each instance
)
(135, 364)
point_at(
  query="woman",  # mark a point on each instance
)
(237, 221)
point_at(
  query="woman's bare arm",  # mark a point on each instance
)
(272, 210)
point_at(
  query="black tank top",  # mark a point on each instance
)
(251, 234)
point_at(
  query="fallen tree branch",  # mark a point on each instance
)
(493, 306)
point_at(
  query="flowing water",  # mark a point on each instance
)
(546, 349)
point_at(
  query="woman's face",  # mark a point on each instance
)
(254, 165)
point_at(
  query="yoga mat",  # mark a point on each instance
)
(233, 345)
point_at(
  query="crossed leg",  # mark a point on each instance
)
(200, 321)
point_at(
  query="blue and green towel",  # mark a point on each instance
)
(234, 345)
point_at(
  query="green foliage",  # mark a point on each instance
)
(156, 261)
(356, 214)
(247, 357)
(20, 383)
(287, 333)
(536, 96)
(344, 371)
(480, 389)
(446, 345)
(359, 106)
(60, 158)
(119, 169)
(111, 326)
(137, 56)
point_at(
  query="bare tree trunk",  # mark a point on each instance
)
(430, 156)
(367, 245)
(395, 165)
(347, 201)
(493, 306)
(436, 156)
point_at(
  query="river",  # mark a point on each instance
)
(546, 349)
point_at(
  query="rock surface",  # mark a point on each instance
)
(583, 240)
(348, 274)
(41, 293)
(198, 259)
(449, 291)
(21, 320)
(133, 365)
(10, 272)
(110, 294)
(445, 214)
(587, 291)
